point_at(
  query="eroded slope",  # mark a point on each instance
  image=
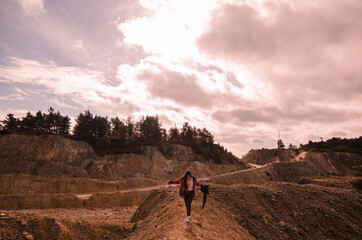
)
(270, 211)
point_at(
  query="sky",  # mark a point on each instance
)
(244, 69)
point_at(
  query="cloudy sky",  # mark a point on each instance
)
(243, 69)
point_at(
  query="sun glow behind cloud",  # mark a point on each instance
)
(169, 35)
(32, 7)
(171, 28)
(242, 69)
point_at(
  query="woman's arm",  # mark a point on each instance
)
(177, 181)
(197, 183)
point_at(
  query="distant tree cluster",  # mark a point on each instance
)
(336, 144)
(292, 146)
(38, 124)
(118, 136)
(201, 141)
(114, 136)
(280, 144)
(124, 136)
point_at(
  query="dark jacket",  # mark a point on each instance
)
(182, 188)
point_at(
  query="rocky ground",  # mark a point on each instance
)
(267, 211)
(67, 223)
(54, 188)
(270, 211)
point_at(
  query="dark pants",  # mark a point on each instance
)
(188, 200)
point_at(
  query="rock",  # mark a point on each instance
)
(265, 220)
(282, 225)
(28, 236)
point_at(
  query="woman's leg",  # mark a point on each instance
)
(188, 201)
(186, 198)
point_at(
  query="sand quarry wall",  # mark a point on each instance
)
(265, 156)
(20, 184)
(97, 200)
(292, 167)
(61, 157)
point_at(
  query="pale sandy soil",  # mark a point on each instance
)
(269, 211)
(108, 215)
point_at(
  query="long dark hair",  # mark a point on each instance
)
(185, 177)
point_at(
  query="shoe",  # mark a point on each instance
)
(188, 219)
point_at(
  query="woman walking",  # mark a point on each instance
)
(187, 190)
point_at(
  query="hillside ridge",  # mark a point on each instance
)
(56, 156)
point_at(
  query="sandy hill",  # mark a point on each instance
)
(37, 158)
(269, 211)
(342, 160)
(289, 166)
(55, 188)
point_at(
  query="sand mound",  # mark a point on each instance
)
(352, 180)
(268, 211)
(292, 169)
(271, 211)
(264, 156)
(342, 161)
(162, 216)
(66, 224)
(29, 226)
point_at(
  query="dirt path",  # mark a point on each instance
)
(143, 189)
(254, 166)
(163, 214)
(162, 186)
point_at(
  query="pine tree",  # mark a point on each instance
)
(11, 124)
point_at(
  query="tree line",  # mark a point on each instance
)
(115, 135)
(335, 144)
(39, 124)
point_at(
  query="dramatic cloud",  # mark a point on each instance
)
(243, 69)
(313, 47)
(305, 53)
(177, 87)
(32, 7)
(195, 89)
(70, 33)
(76, 86)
